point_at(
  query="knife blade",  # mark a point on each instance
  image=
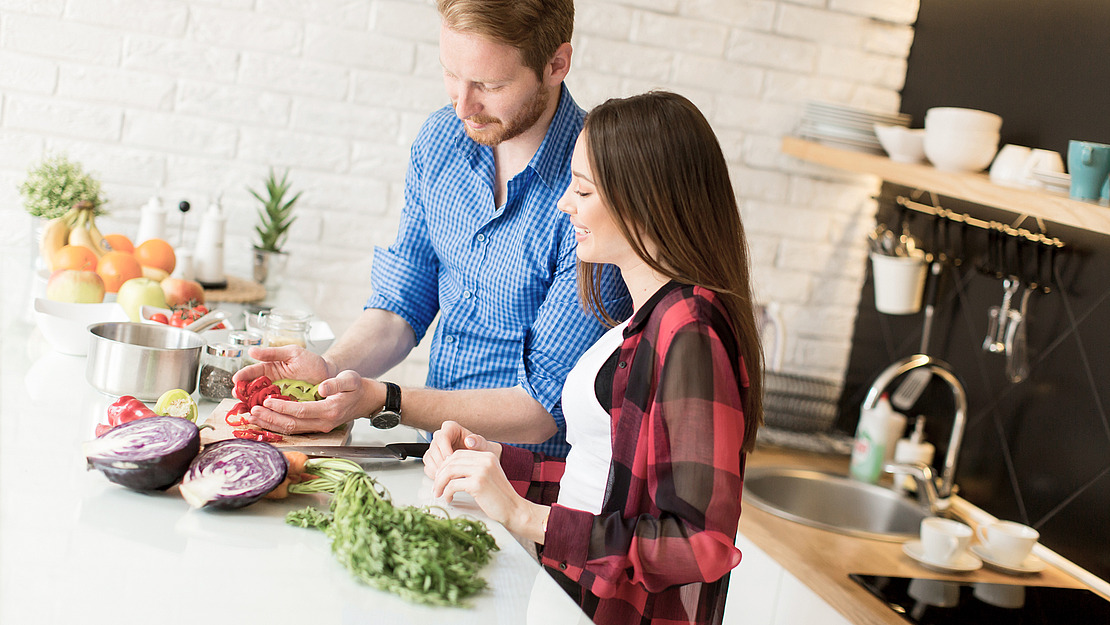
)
(392, 451)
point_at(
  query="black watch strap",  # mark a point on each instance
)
(390, 414)
(392, 397)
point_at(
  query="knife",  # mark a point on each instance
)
(392, 451)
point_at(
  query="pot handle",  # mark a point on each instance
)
(207, 321)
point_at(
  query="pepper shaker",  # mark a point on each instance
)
(219, 363)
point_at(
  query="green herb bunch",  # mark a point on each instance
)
(420, 556)
(55, 185)
(276, 214)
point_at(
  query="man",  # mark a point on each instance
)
(481, 243)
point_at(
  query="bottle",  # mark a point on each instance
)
(245, 340)
(208, 260)
(873, 437)
(152, 221)
(219, 363)
(285, 326)
(912, 449)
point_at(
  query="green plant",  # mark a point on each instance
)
(275, 216)
(55, 185)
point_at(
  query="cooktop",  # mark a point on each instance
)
(943, 602)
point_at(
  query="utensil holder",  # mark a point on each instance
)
(899, 281)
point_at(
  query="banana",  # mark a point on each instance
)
(102, 245)
(79, 234)
(154, 273)
(55, 234)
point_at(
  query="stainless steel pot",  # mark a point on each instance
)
(142, 359)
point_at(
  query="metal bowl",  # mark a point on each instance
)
(142, 360)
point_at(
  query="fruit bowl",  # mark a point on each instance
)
(66, 326)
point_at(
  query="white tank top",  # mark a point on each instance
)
(589, 430)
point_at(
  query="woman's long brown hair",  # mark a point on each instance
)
(660, 170)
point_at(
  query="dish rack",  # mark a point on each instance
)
(799, 403)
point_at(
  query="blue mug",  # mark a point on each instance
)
(1089, 167)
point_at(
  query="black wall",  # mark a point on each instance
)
(1038, 451)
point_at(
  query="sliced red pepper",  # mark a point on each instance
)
(102, 428)
(126, 409)
(261, 394)
(258, 383)
(264, 436)
(236, 410)
(241, 390)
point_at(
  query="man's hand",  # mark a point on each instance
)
(347, 397)
(287, 362)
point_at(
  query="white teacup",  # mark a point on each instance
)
(1008, 543)
(943, 540)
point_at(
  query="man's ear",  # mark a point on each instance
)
(559, 65)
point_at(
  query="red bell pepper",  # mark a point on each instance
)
(126, 409)
(259, 435)
(236, 411)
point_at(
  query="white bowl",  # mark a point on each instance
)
(66, 325)
(902, 144)
(947, 117)
(960, 151)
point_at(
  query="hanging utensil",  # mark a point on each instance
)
(1017, 357)
(995, 341)
(909, 391)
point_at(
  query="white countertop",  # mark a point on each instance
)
(75, 548)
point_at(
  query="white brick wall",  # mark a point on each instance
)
(196, 98)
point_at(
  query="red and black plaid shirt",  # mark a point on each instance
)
(662, 547)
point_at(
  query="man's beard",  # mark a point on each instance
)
(499, 131)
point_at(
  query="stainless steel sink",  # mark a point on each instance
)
(833, 503)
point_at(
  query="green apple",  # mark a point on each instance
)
(75, 286)
(139, 292)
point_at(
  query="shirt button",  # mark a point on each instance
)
(467, 294)
(562, 566)
(448, 339)
(622, 364)
(481, 237)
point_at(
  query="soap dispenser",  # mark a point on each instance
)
(911, 450)
(208, 259)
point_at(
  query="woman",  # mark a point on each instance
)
(638, 523)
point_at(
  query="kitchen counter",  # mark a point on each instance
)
(823, 560)
(75, 548)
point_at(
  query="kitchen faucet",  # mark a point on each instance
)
(936, 496)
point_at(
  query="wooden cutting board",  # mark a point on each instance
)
(222, 431)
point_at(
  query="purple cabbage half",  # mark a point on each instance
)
(146, 454)
(233, 473)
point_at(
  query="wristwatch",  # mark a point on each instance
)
(390, 414)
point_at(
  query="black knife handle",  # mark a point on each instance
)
(408, 450)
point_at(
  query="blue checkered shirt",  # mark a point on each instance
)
(502, 278)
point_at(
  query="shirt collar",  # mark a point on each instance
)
(551, 158)
(642, 315)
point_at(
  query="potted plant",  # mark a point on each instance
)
(51, 189)
(274, 218)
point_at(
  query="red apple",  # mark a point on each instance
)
(139, 292)
(182, 292)
(75, 286)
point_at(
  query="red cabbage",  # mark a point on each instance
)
(233, 473)
(146, 454)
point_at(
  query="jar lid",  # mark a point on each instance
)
(246, 338)
(224, 349)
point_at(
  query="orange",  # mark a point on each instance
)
(120, 243)
(115, 268)
(156, 253)
(74, 257)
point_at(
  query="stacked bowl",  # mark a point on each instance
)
(961, 140)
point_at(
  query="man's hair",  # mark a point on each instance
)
(535, 27)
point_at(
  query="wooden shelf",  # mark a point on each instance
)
(976, 188)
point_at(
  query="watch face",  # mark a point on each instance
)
(385, 419)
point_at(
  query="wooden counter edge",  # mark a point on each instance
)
(822, 560)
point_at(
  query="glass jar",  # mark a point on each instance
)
(284, 326)
(218, 363)
(245, 340)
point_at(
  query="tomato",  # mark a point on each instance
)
(160, 318)
(178, 322)
(201, 309)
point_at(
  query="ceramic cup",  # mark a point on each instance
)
(1007, 596)
(1008, 543)
(1089, 166)
(1009, 164)
(898, 283)
(943, 540)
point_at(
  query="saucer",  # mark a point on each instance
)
(1032, 563)
(963, 564)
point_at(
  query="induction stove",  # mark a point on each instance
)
(944, 602)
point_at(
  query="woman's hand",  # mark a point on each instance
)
(451, 437)
(346, 397)
(479, 474)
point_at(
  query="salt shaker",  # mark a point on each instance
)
(245, 340)
(219, 363)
